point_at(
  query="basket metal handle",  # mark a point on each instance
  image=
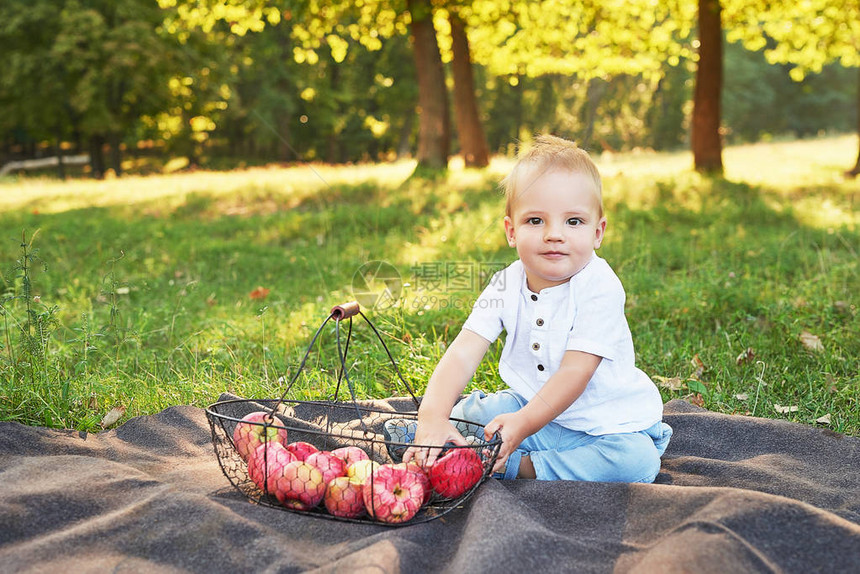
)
(338, 313)
(345, 311)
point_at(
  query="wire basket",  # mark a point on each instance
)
(341, 459)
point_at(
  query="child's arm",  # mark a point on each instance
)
(559, 392)
(450, 377)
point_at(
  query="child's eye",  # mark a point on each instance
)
(534, 221)
(574, 221)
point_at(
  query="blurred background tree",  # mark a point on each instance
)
(814, 37)
(86, 70)
(222, 83)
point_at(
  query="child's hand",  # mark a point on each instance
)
(432, 433)
(512, 430)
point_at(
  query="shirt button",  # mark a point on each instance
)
(536, 346)
(540, 367)
(534, 297)
(539, 322)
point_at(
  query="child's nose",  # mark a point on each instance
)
(553, 233)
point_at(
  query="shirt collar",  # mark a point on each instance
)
(550, 293)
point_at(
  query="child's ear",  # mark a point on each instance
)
(598, 234)
(509, 232)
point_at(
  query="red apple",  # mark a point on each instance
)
(455, 473)
(268, 460)
(422, 478)
(350, 454)
(393, 493)
(328, 464)
(344, 496)
(362, 469)
(299, 485)
(302, 449)
(247, 435)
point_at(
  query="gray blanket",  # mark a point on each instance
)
(736, 494)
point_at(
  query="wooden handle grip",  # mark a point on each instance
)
(345, 310)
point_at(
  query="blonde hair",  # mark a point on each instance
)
(548, 152)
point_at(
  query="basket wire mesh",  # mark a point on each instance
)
(329, 425)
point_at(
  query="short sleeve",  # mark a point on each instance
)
(599, 325)
(486, 316)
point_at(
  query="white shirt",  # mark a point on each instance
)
(584, 314)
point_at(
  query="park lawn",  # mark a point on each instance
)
(147, 292)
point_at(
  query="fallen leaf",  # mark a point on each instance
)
(842, 307)
(785, 410)
(93, 403)
(811, 342)
(112, 416)
(746, 356)
(698, 400)
(670, 383)
(742, 396)
(700, 367)
(259, 293)
(825, 420)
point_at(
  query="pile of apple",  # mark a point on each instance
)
(345, 480)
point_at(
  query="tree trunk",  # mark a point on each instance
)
(473, 143)
(333, 139)
(594, 93)
(855, 171)
(97, 157)
(517, 90)
(77, 139)
(434, 131)
(285, 151)
(706, 143)
(404, 141)
(61, 169)
(115, 153)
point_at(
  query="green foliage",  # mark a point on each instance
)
(762, 100)
(666, 116)
(576, 38)
(28, 335)
(30, 67)
(85, 66)
(807, 35)
(238, 82)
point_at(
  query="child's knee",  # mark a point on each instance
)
(468, 409)
(638, 459)
(480, 408)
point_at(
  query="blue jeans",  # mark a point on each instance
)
(559, 453)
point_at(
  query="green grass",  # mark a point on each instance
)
(137, 290)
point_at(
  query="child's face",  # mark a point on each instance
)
(555, 225)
